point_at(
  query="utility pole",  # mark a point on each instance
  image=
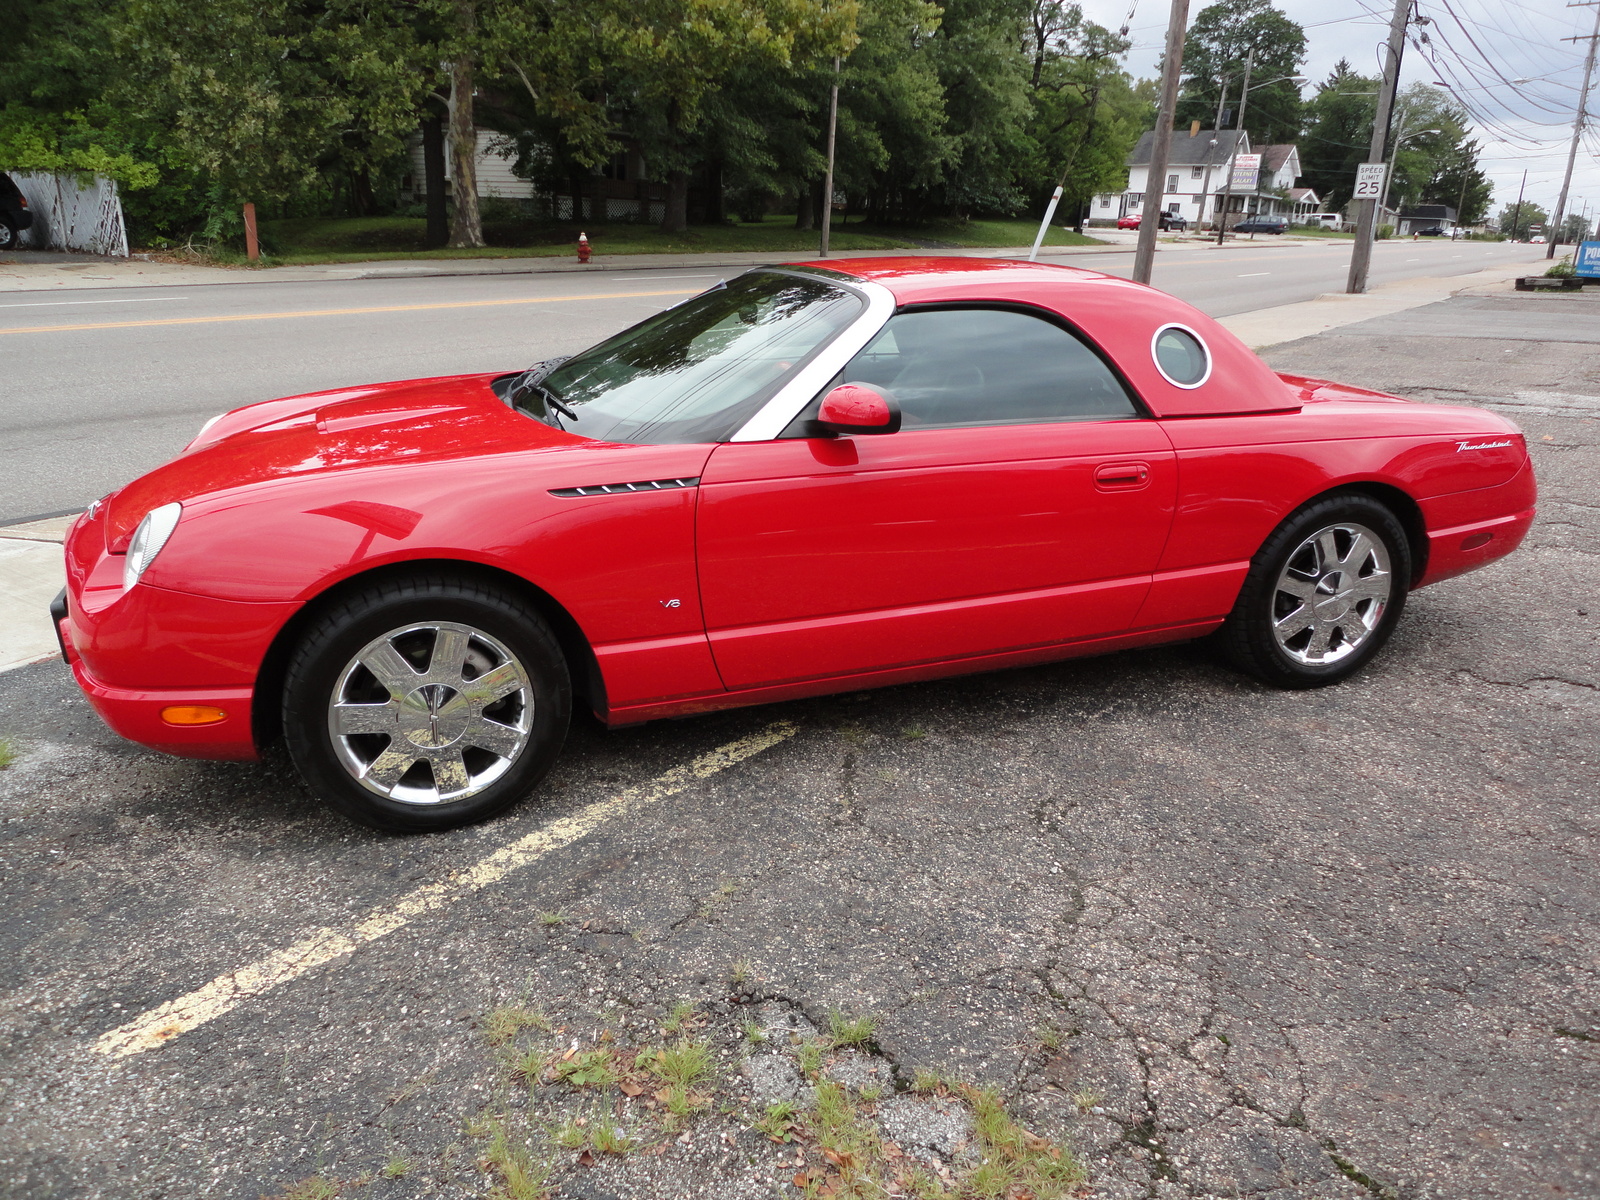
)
(827, 185)
(1577, 123)
(1216, 141)
(1155, 183)
(1517, 211)
(1366, 224)
(1227, 191)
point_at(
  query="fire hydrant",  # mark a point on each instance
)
(583, 247)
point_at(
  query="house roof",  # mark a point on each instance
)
(1440, 211)
(1273, 157)
(1186, 151)
(1299, 194)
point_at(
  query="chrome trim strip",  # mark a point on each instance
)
(617, 489)
(776, 413)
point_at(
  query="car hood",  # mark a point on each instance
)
(422, 420)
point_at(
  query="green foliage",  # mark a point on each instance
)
(1337, 133)
(853, 1032)
(8, 753)
(67, 142)
(1562, 268)
(1515, 223)
(587, 1068)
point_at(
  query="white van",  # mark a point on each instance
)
(1324, 220)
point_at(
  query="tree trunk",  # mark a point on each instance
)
(676, 218)
(433, 183)
(466, 227)
(809, 213)
(362, 202)
(714, 210)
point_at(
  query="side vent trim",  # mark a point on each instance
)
(615, 489)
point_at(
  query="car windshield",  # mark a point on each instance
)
(696, 372)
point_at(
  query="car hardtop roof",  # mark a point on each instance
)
(933, 277)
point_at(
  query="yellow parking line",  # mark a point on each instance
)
(339, 312)
(226, 992)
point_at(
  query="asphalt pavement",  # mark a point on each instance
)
(1218, 940)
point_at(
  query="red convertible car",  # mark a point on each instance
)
(808, 479)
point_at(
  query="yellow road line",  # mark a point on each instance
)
(339, 312)
(226, 992)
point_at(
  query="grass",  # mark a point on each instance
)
(396, 1168)
(517, 1175)
(846, 1031)
(779, 1121)
(686, 1064)
(683, 1015)
(8, 753)
(1318, 232)
(588, 1068)
(304, 240)
(500, 1025)
(552, 918)
(315, 1187)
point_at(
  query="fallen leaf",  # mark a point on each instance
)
(629, 1088)
(801, 1179)
(663, 1095)
(586, 1159)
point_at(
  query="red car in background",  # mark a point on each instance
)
(812, 478)
(1167, 221)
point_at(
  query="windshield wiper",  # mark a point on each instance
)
(551, 401)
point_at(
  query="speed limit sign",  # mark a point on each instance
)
(1369, 181)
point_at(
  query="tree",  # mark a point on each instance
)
(263, 94)
(1214, 59)
(1530, 214)
(1087, 112)
(1337, 134)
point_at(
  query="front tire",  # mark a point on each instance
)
(8, 235)
(425, 703)
(1323, 594)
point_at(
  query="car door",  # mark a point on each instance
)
(1024, 502)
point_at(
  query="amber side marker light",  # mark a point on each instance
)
(1473, 540)
(192, 714)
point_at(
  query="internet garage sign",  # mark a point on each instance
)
(1246, 168)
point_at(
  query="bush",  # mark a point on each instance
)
(1562, 269)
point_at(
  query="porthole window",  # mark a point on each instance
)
(1181, 356)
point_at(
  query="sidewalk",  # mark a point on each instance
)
(30, 272)
(30, 555)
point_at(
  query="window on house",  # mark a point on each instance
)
(1172, 183)
(1175, 206)
(1105, 203)
(1195, 172)
(1135, 198)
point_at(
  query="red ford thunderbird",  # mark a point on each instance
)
(809, 479)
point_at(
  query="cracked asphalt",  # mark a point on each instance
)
(1223, 941)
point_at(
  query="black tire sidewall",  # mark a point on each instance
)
(9, 235)
(332, 642)
(1248, 635)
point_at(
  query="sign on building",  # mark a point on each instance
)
(1369, 181)
(1246, 169)
(1587, 260)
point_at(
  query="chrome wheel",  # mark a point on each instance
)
(431, 712)
(1331, 594)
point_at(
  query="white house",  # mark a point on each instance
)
(1198, 167)
(494, 168)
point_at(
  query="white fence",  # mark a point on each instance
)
(69, 216)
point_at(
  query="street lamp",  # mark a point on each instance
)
(1394, 157)
(1244, 96)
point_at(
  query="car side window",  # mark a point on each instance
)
(950, 368)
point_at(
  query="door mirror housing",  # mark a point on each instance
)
(858, 408)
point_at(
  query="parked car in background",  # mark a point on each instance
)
(1434, 231)
(1168, 221)
(14, 214)
(1263, 225)
(813, 478)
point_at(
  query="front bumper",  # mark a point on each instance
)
(135, 713)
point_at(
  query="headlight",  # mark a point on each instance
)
(148, 539)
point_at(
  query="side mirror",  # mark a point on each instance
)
(858, 408)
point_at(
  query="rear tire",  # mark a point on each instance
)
(425, 703)
(8, 235)
(1323, 594)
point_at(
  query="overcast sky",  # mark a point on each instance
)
(1520, 125)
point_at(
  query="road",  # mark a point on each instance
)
(97, 387)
